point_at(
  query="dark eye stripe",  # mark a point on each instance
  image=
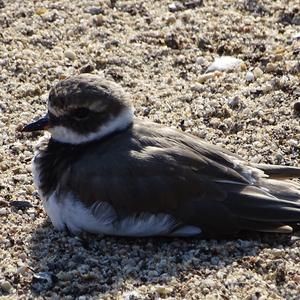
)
(80, 113)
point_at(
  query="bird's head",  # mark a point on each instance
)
(84, 108)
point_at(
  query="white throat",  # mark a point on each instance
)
(66, 135)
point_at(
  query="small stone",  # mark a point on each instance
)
(3, 211)
(43, 281)
(234, 102)
(171, 20)
(21, 204)
(277, 253)
(266, 88)
(176, 6)
(296, 36)
(152, 273)
(99, 20)
(88, 68)
(296, 20)
(146, 111)
(197, 88)
(278, 157)
(22, 270)
(249, 76)
(172, 41)
(224, 63)
(94, 10)
(257, 72)
(200, 61)
(293, 143)
(41, 10)
(297, 106)
(270, 67)
(23, 256)
(204, 77)
(64, 276)
(204, 44)
(163, 290)
(6, 286)
(193, 3)
(255, 7)
(70, 54)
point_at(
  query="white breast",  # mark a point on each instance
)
(102, 218)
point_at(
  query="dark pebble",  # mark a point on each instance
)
(255, 7)
(94, 10)
(193, 3)
(88, 68)
(21, 204)
(297, 107)
(172, 42)
(43, 281)
(204, 44)
(176, 6)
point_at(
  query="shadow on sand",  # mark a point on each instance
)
(95, 266)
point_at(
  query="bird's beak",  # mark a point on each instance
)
(40, 124)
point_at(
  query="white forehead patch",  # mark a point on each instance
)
(66, 135)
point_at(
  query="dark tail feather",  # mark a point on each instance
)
(279, 172)
(274, 206)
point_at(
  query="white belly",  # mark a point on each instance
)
(102, 218)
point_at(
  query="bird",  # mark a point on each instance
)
(104, 171)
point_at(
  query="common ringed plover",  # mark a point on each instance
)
(105, 171)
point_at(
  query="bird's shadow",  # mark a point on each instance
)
(94, 265)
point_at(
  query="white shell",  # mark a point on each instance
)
(224, 63)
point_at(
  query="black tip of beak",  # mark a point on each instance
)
(41, 124)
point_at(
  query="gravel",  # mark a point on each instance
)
(158, 51)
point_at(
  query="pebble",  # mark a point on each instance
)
(175, 6)
(171, 20)
(204, 77)
(297, 106)
(249, 76)
(99, 20)
(64, 276)
(3, 211)
(88, 68)
(6, 286)
(163, 290)
(257, 72)
(200, 60)
(270, 67)
(70, 54)
(234, 102)
(22, 270)
(94, 10)
(43, 281)
(224, 63)
(41, 10)
(20, 204)
(296, 36)
(293, 142)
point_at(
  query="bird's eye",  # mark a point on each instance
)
(80, 113)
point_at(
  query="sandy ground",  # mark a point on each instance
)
(158, 51)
